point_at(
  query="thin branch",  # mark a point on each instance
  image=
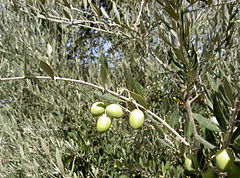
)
(190, 115)
(197, 136)
(108, 91)
(236, 109)
(77, 22)
(192, 100)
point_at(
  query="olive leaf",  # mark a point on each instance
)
(46, 68)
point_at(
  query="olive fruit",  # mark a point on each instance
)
(191, 162)
(209, 173)
(114, 110)
(224, 159)
(97, 108)
(234, 171)
(136, 118)
(103, 123)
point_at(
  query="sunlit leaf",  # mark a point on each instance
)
(49, 49)
(114, 8)
(141, 100)
(104, 12)
(206, 123)
(59, 161)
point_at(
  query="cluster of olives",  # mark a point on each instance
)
(225, 162)
(136, 117)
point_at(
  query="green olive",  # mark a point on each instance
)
(114, 110)
(103, 123)
(224, 159)
(136, 118)
(97, 108)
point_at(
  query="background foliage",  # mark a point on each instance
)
(162, 53)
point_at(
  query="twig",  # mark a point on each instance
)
(108, 91)
(236, 109)
(190, 115)
(77, 23)
(197, 136)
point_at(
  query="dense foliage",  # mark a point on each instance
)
(177, 60)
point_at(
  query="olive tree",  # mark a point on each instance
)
(176, 60)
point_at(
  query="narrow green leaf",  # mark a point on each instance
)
(49, 50)
(104, 12)
(223, 96)
(228, 89)
(103, 68)
(237, 23)
(205, 142)
(213, 85)
(59, 161)
(104, 74)
(163, 37)
(163, 142)
(219, 113)
(206, 123)
(129, 77)
(85, 4)
(141, 100)
(45, 146)
(179, 54)
(108, 97)
(46, 68)
(174, 118)
(138, 88)
(236, 134)
(114, 8)
(67, 13)
(188, 131)
(172, 13)
(95, 9)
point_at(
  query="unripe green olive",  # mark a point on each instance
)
(97, 108)
(114, 110)
(209, 173)
(191, 162)
(136, 118)
(103, 123)
(224, 159)
(234, 171)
